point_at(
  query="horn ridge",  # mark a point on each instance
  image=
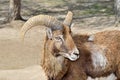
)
(45, 20)
(68, 19)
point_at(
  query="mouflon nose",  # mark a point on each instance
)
(77, 54)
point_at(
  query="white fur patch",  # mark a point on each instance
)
(109, 77)
(99, 60)
(98, 57)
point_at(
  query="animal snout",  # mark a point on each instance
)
(77, 54)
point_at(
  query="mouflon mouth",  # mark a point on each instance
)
(71, 56)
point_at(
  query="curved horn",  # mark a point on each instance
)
(68, 19)
(45, 20)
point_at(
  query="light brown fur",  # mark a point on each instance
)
(108, 41)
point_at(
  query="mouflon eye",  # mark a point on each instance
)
(58, 38)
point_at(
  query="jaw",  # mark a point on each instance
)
(60, 59)
(71, 57)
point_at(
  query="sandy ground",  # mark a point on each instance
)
(21, 60)
(30, 73)
(17, 54)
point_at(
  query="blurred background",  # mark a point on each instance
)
(81, 8)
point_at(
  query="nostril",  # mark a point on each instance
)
(76, 54)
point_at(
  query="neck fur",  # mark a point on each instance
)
(52, 65)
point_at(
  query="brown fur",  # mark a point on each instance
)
(51, 65)
(54, 68)
(82, 68)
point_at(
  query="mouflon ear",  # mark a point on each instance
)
(49, 33)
